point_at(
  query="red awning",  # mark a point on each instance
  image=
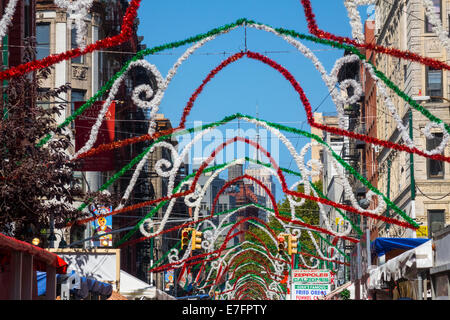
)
(42, 257)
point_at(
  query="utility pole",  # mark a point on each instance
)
(411, 166)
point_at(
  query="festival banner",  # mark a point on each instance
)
(102, 225)
(103, 161)
(168, 279)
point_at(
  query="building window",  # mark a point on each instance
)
(434, 84)
(74, 45)
(436, 221)
(43, 100)
(435, 168)
(77, 95)
(28, 20)
(405, 73)
(438, 8)
(42, 40)
(335, 139)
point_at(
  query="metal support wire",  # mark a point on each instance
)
(99, 235)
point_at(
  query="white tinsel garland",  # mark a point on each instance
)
(154, 104)
(7, 17)
(430, 11)
(77, 10)
(114, 89)
(330, 81)
(355, 18)
(435, 21)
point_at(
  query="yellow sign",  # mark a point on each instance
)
(339, 221)
(422, 232)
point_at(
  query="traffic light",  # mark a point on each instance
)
(292, 244)
(281, 244)
(185, 237)
(196, 239)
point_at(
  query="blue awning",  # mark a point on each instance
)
(380, 246)
(87, 285)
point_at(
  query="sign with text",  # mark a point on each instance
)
(310, 284)
(422, 232)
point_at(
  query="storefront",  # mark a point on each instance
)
(400, 276)
(440, 273)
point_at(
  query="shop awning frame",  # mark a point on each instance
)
(381, 246)
(42, 258)
(86, 286)
(404, 266)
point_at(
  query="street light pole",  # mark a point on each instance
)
(52, 237)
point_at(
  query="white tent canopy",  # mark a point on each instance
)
(135, 289)
(104, 265)
(403, 266)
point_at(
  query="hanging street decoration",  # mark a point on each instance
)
(256, 268)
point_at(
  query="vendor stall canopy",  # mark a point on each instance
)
(87, 285)
(381, 246)
(41, 257)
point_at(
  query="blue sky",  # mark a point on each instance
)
(243, 85)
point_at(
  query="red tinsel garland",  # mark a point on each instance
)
(288, 76)
(314, 29)
(307, 106)
(216, 254)
(125, 34)
(200, 256)
(243, 275)
(284, 187)
(241, 292)
(240, 259)
(223, 246)
(297, 194)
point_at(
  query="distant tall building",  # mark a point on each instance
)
(265, 176)
(262, 174)
(235, 171)
(224, 201)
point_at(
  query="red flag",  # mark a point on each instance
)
(182, 277)
(103, 161)
(199, 274)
